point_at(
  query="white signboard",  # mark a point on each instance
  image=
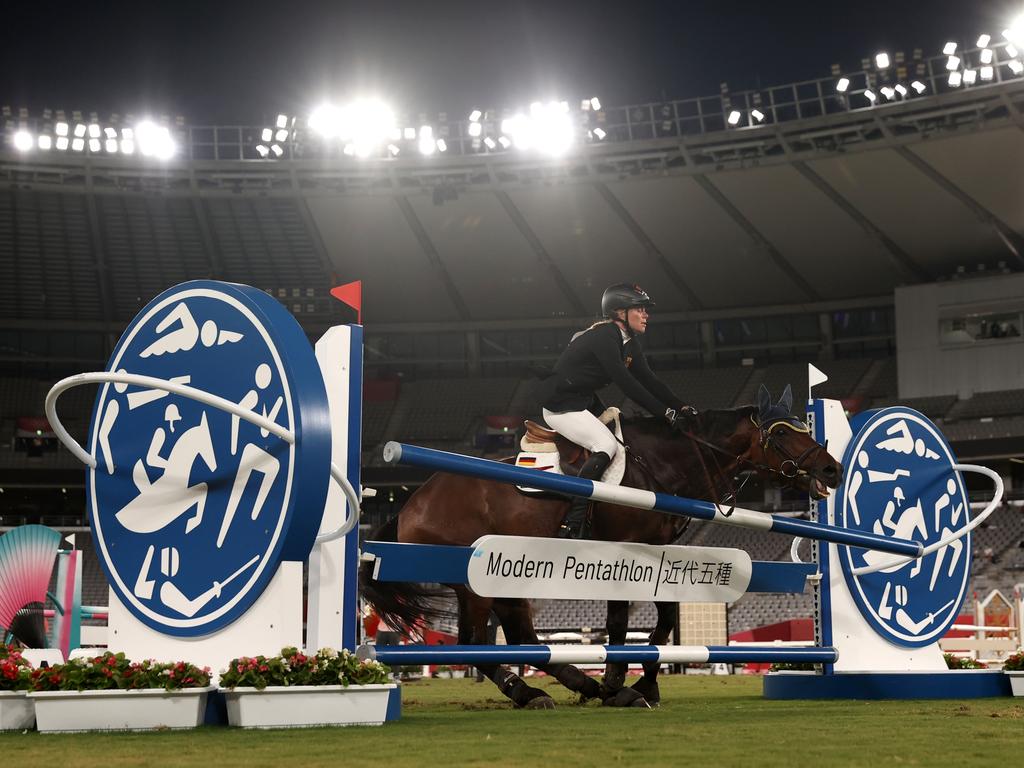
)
(521, 566)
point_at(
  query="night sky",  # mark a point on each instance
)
(230, 62)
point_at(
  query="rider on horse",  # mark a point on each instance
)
(608, 351)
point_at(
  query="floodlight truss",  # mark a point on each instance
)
(995, 60)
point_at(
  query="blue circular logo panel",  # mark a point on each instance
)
(901, 483)
(193, 507)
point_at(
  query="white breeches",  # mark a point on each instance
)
(583, 428)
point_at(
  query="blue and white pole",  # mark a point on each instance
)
(401, 453)
(540, 655)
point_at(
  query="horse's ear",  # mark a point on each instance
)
(764, 402)
(786, 401)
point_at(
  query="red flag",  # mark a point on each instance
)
(351, 294)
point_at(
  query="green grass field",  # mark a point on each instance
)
(703, 721)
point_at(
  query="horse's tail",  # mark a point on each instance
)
(404, 606)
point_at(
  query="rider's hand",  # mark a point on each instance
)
(671, 416)
(687, 412)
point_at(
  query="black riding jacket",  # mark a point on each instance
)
(594, 359)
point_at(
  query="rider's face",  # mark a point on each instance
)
(636, 317)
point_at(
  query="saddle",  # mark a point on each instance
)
(541, 446)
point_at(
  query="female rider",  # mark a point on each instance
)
(608, 351)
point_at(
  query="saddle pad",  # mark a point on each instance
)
(544, 456)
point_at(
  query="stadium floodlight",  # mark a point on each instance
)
(23, 141)
(1011, 50)
(394, 150)
(882, 60)
(955, 78)
(953, 63)
(94, 145)
(281, 135)
(1015, 32)
(110, 133)
(62, 143)
(595, 103)
(1016, 67)
(349, 149)
(843, 84)
(94, 131)
(267, 134)
(901, 89)
(918, 86)
(282, 121)
(61, 129)
(475, 129)
(870, 95)
(325, 120)
(45, 142)
(970, 75)
(128, 133)
(80, 131)
(949, 48)
(547, 129)
(276, 149)
(987, 73)
(365, 123)
(490, 143)
(409, 134)
(599, 132)
(734, 117)
(442, 145)
(262, 150)
(154, 140)
(757, 114)
(984, 40)
(127, 146)
(888, 92)
(111, 146)
(475, 116)
(427, 144)
(77, 144)
(505, 141)
(986, 56)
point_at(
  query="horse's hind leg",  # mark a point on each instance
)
(612, 691)
(478, 610)
(516, 618)
(648, 684)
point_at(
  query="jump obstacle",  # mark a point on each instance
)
(891, 549)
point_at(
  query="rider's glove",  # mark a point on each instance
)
(687, 412)
(671, 416)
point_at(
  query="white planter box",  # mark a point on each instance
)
(144, 709)
(1016, 683)
(16, 711)
(307, 705)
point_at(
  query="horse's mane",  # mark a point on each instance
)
(711, 423)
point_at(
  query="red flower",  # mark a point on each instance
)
(264, 668)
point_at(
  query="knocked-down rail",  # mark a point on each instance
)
(401, 453)
(540, 655)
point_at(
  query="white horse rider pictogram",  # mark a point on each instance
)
(162, 501)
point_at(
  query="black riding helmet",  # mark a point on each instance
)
(623, 296)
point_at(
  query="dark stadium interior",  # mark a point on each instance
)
(765, 249)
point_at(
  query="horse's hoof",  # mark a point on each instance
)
(540, 702)
(649, 691)
(626, 697)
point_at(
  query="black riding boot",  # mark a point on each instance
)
(574, 525)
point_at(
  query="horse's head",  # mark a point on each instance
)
(782, 445)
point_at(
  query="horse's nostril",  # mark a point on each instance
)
(829, 471)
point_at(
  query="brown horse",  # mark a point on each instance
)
(699, 462)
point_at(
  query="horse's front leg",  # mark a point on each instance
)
(647, 685)
(474, 612)
(516, 619)
(612, 691)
